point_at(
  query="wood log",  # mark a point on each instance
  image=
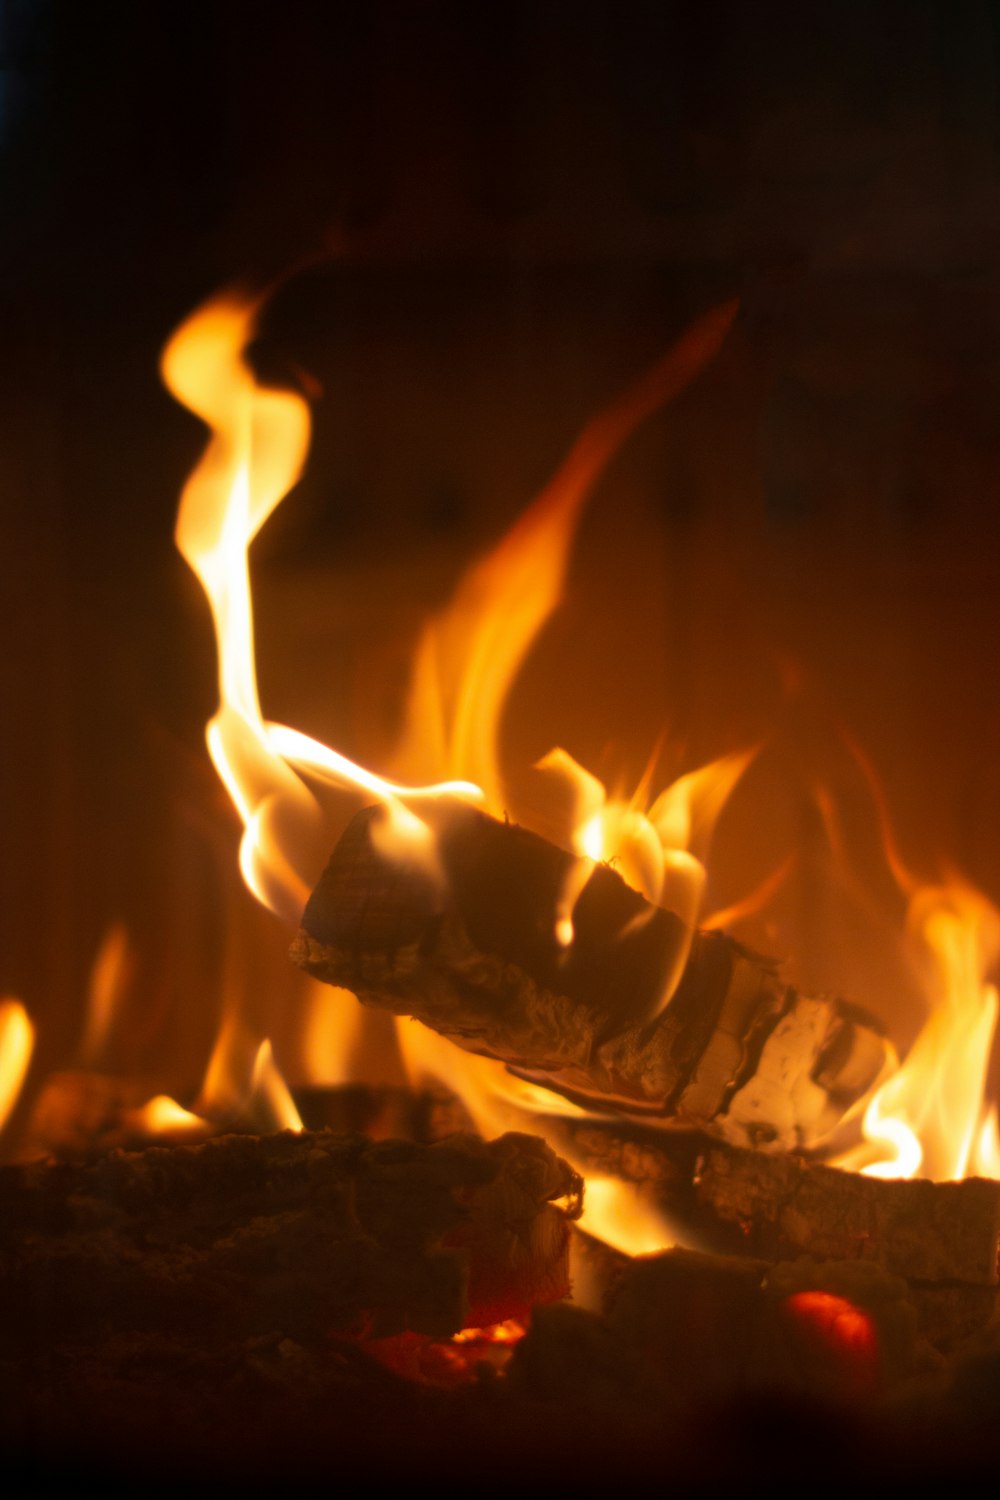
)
(781, 1207)
(635, 1013)
(942, 1238)
(302, 1234)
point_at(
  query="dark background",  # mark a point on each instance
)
(502, 214)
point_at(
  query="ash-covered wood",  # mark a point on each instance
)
(471, 949)
(299, 1234)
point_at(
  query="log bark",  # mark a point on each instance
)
(635, 1013)
(782, 1207)
(941, 1238)
(301, 1234)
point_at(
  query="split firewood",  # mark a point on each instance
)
(304, 1234)
(635, 1013)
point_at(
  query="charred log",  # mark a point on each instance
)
(781, 1207)
(682, 1327)
(635, 1013)
(302, 1234)
(941, 1238)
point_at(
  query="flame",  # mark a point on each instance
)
(109, 980)
(653, 849)
(622, 1218)
(927, 1117)
(255, 455)
(469, 654)
(930, 1117)
(258, 447)
(17, 1040)
(508, 1332)
(466, 662)
(613, 1210)
(163, 1116)
(930, 1113)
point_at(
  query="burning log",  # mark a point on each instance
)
(306, 1234)
(779, 1207)
(941, 1238)
(471, 947)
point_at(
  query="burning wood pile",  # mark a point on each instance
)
(641, 1189)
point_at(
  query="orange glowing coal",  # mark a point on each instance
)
(846, 1334)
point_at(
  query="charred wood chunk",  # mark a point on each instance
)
(635, 1013)
(925, 1231)
(710, 1322)
(301, 1234)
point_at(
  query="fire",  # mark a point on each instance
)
(465, 665)
(259, 442)
(109, 982)
(17, 1040)
(930, 1118)
(927, 1117)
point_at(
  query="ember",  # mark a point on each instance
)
(845, 1332)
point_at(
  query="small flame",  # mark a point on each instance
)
(617, 1214)
(17, 1040)
(508, 1332)
(931, 1111)
(109, 980)
(986, 1153)
(930, 1116)
(614, 1210)
(652, 850)
(163, 1116)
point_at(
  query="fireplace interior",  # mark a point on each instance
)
(750, 1211)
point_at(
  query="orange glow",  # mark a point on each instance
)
(163, 1116)
(615, 1212)
(498, 1333)
(842, 1330)
(17, 1040)
(109, 980)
